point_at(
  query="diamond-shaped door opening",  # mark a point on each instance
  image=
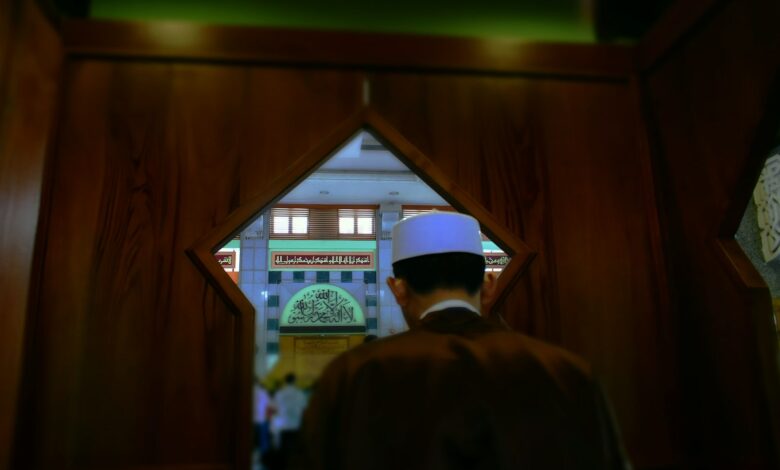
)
(329, 234)
(321, 232)
(759, 230)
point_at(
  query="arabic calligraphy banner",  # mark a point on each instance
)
(226, 260)
(322, 305)
(312, 261)
(496, 260)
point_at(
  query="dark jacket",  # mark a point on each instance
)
(458, 393)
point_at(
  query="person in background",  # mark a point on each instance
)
(262, 414)
(289, 402)
(455, 391)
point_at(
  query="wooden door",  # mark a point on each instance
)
(30, 60)
(140, 354)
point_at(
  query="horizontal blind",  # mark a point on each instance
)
(410, 210)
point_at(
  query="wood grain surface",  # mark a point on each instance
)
(139, 360)
(551, 162)
(30, 60)
(153, 156)
(131, 337)
(715, 110)
(10, 10)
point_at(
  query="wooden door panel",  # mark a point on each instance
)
(290, 112)
(607, 279)
(30, 66)
(136, 362)
(136, 353)
(138, 358)
(132, 338)
(715, 98)
(557, 162)
(477, 131)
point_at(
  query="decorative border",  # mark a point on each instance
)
(322, 260)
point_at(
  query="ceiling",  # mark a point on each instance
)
(363, 171)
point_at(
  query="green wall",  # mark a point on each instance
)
(547, 20)
(322, 245)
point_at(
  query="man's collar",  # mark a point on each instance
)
(452, 303)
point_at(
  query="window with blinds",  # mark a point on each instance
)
(410, 210)
(289, 223)
(323, 223)
(357, 223)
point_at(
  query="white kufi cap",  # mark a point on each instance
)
(434, 233)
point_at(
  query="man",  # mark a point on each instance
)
(455, 391)
(262, 431)
(289, 402)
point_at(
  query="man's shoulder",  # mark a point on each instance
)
(496, 344)
(546, 350)
(520, 347)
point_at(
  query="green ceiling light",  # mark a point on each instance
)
(558, 21)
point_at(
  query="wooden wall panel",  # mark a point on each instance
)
(714, 101)
(607, 279)
(130, 338)
(558, 162)
(30, 59)
(135, 353)
(290, 112)
(479, 132)
(10, 11)
(133, 357)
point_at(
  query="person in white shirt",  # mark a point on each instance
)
(262, 430)
(289, 402)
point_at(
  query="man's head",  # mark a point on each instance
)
(438, 256)
(289, 378)
(449, 271)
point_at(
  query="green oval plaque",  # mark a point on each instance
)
(322, 305)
